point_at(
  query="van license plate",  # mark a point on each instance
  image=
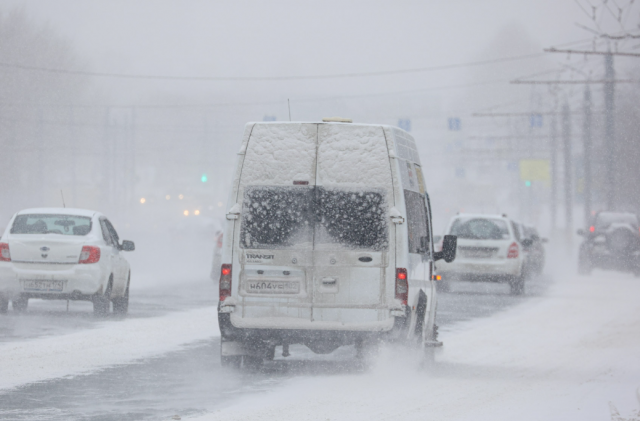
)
(43, 286)
(273, 287)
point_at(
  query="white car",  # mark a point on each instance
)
(490, 248)
(64, 254)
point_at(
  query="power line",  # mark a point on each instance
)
(268, 78)
(572, 82)
(586, 52)
(271, 102)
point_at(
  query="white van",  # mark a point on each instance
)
(328, 241)
(490, 248)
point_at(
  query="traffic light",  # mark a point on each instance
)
(203, 178)
(527, 183)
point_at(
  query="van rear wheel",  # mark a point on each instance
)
(20, 304)
(231, 361)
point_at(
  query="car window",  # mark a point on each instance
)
(51, 224)
(416, 219)
(106, 235)
(516, 230)
(480, 229)
(112, 231)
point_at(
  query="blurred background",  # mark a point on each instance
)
(136, 108)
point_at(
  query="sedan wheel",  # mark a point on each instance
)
(121, 304)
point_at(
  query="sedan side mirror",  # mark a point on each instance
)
(581, 232)
(449, 247)
(127, 245)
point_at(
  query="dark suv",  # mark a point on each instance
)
(612, 242)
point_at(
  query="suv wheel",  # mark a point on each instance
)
(584, 264)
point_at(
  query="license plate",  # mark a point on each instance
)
(273, 287)
(43, 286)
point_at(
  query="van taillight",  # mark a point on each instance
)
(89, 254)
(512, 252)
(402, 285)
(225, 282)
(5, 254)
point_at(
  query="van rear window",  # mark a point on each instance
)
(353, 219)
(299, 216)
(277, 217)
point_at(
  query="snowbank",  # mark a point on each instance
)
(112, 342)
(562, 356)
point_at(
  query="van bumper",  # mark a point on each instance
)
(302, 333)
(78, 281)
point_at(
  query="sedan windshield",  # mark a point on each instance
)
(480, 229)
(51, 224)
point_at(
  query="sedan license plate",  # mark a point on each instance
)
(273, 287)
(43, 286)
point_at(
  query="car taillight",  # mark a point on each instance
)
(592, 228)
(402, 285)
(89, 254)
(512, 252)
(5, 254)
(225, 282)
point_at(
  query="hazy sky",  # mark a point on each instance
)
(256, 38)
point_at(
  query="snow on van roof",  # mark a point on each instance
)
(327, 123)
(58, 211)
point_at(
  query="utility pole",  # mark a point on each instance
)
(568, 168)
(554, 172)
(609, 130)
(587, 145)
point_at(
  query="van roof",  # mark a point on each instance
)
(330, 122)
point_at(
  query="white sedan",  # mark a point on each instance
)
(64, 254)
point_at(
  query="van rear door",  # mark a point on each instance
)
(354, 192)
(274, 240)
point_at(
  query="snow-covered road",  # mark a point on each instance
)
(563, 356)
(563, 351)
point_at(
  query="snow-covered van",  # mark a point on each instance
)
(328, 241)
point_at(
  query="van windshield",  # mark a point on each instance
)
(51, 224)
(480, 229)
(299, 216)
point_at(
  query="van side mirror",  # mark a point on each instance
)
(127, 245)
(449, 247)
(580, 232)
